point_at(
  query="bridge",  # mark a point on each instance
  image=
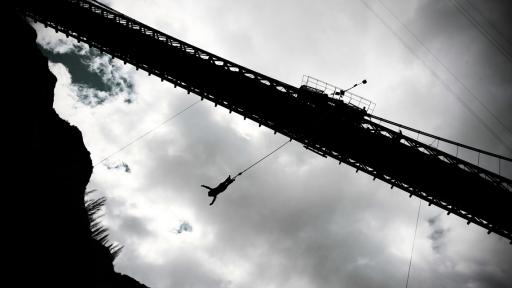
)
(316, 114)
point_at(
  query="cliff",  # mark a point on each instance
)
(48, 229)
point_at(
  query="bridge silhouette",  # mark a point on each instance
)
(315, 114)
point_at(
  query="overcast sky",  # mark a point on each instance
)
(296, 219)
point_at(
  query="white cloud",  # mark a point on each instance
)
(57, 42)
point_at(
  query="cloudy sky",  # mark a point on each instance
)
(297, 219)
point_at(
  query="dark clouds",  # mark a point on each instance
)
(476, 62)
(78, 68)
(296, 219)
(96, 78)
(118, 166)
(437, 234)
(184, 227)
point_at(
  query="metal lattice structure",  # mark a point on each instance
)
(340, 131)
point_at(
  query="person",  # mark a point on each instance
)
(213, 192)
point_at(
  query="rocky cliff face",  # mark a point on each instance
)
(48, 167)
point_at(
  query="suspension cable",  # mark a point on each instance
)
(434, 73)
(412, 250)
(440, 138)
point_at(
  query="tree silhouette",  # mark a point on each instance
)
(98, 231)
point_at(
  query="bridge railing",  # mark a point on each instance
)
(336, 92)
(495, 163)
